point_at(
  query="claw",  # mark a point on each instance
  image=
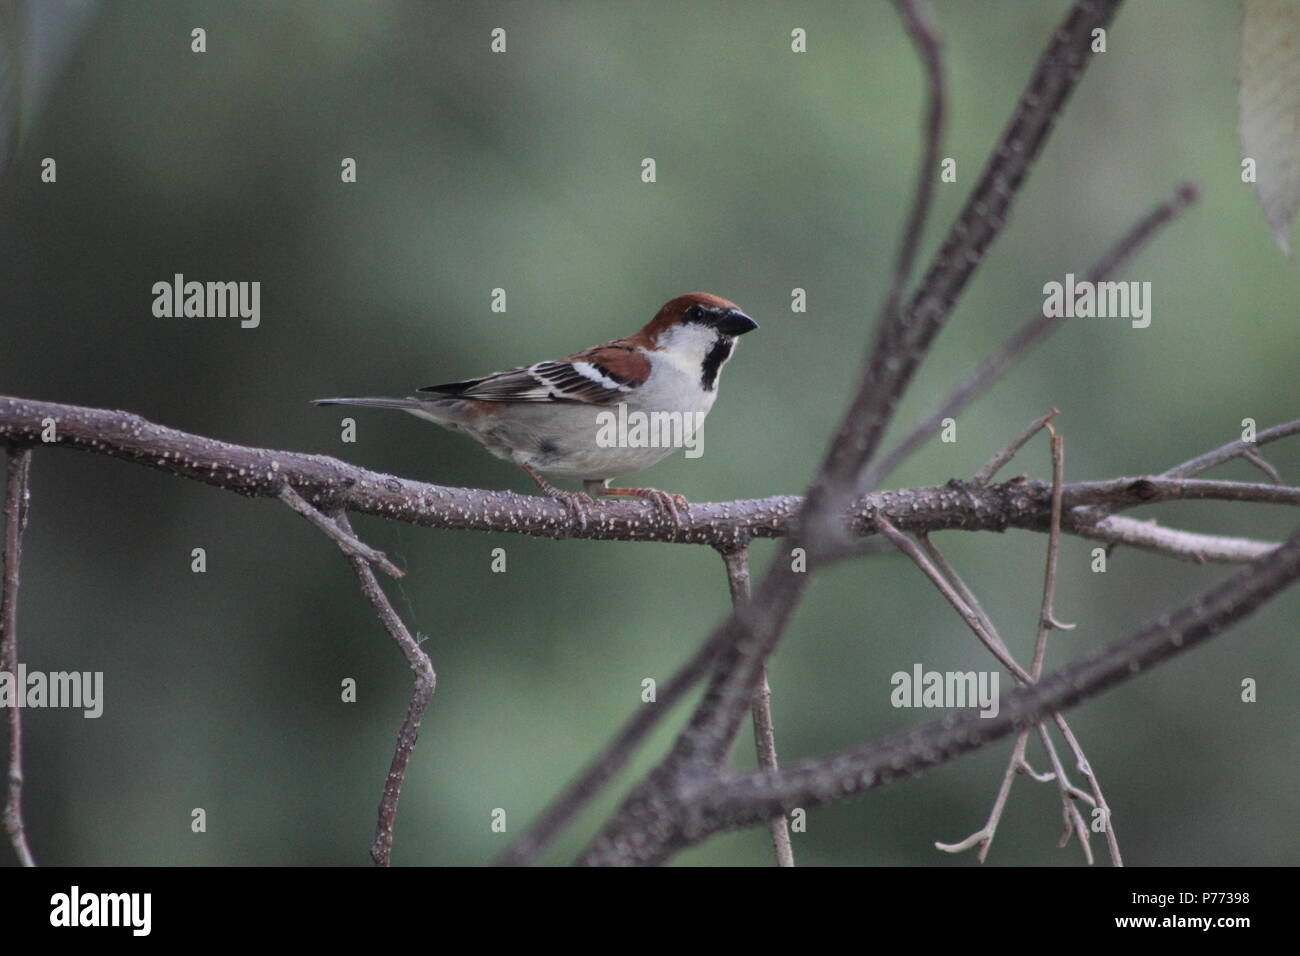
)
(668, 504)
(577, 503)
(665, 502)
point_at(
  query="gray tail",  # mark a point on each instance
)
(404, 403)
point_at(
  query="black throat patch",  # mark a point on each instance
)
(713, 362)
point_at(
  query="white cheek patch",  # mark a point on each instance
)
(687, 345)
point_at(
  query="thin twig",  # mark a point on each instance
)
(18, 470)
(987, 637)
(352, 545)
(1225, 453)
(1029, 335)
(966, 603)
(360, 555)
(747, 799)
(985, 474)
(952, 577)
(959, 595)
(1017, 763)
(1204, 462)
(983, 837)
(425, 682)
(1085, 768)
(920, 27)
(1073, 820)
(737, 564)
(1115, 492)
(1046, 622)
(1047, 619)
(1172, 543)
(1256, 459)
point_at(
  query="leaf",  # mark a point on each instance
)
(1269, 80)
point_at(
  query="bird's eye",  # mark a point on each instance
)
(695, 313)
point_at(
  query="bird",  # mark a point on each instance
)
(547, 418)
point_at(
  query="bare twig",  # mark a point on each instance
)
(1047, 619)
(983, 837)
(1069, 793)
(995, 464)
(1098, 801)
(1233, 449)
(920, 27)
(18, 469)
(1201, 463)
(748, 799)
(976, 622)
(425, 682)
(1256, 459)
(963, 600)
(352, 546)
(1046, 622)
(1116, 493)
(952, 577)
(1070, 816)
(1029, 335)
(737, 564)
(1183, 545)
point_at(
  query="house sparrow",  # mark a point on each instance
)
(546, 418)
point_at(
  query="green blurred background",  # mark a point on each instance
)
(522, 171)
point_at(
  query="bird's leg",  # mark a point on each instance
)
(666, 502)
(575, 501)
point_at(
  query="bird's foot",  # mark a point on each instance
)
(665, 503)
(579, 505)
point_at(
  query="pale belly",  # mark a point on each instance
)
(587, 442)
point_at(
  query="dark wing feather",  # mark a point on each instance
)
(600, 376)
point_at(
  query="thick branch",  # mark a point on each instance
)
(330, 485)
(729, 803)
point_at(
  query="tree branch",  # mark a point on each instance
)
(737, 564)
(733, 802)
(329, 484)
(18, 468)
(350, 544)
(425, 682)
(1035, 331)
